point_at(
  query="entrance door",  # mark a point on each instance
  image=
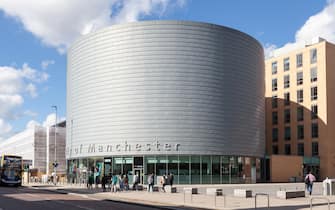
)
(139, 171)
(107, 167)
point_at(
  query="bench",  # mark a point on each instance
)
(170, 189)
(242, 193)
(290, 194)
(214, 191)
(191, 190)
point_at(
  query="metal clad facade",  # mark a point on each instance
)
(165, 87)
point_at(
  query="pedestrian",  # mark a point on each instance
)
(121, 182)
(309, 179)
(171, 179)
(114, 182)
(136, 181)
(162, 182)
(151, 182)
(126, 182)
(90, 180)
(103, 183)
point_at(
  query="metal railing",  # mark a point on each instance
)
(319, 198)
(262, 194)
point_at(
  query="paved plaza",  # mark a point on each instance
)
(181, 200)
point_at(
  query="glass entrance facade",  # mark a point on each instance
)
(187, 169)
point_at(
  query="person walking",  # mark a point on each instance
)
(163, 182)
(114, 182)
(151, 182)
(309, 179)
(171, 179)
(136, 181)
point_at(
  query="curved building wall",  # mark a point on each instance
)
(165, 87)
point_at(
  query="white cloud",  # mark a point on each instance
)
(15, 84)
(321, 24)
(51, 119)
(59, 22)
(31, 89)
(30, 113)
(46, 63)
(32, 124)
(4, 127)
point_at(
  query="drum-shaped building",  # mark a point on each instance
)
(166, 97)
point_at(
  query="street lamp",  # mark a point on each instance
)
(55, 157)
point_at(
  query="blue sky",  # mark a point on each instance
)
(35, 35)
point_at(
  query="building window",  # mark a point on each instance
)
(287, 133)
(300, 96)
(313, 55)
(274, 67)
(299, 60)
(314, 74)
(315, 130)
(287, 149)
(301, 149)
(274, 118)
(275, 149)
(286, 81)
(286, 64)
(300, 113)
(274, 134)
(274, 84)
(300, 78)
(315, 148)
(314, 93)
(287, 116)
(274, 101)
(314, 111)
(286, 99)
(300, 133)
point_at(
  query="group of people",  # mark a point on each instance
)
(166, 180)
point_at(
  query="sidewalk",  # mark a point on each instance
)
(180, 200)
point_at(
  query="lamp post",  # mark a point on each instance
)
(55, 157)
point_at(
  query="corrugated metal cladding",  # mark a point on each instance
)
(165, 87)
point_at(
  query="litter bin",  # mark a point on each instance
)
(328, 186)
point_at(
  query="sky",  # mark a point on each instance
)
(35, 35)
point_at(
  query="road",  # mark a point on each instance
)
(23, 198)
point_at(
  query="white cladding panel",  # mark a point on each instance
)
(165, 87)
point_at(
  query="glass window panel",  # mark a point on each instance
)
(300, 132)
(206, 169)
(314, 74)
(216, 170)
(286, 81)
(300, 96)
(274, 67)
(314, 93)
(274, 84)
(195, 169)
(274, 134)
(286, 64)
(286, 99)
(301, 150)
(274, 101)
(184, 170)
(300, 78)
(300, 113)
(314, 112)
(313, 55)
(315, 130)
(315, 148)
(299, 60)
